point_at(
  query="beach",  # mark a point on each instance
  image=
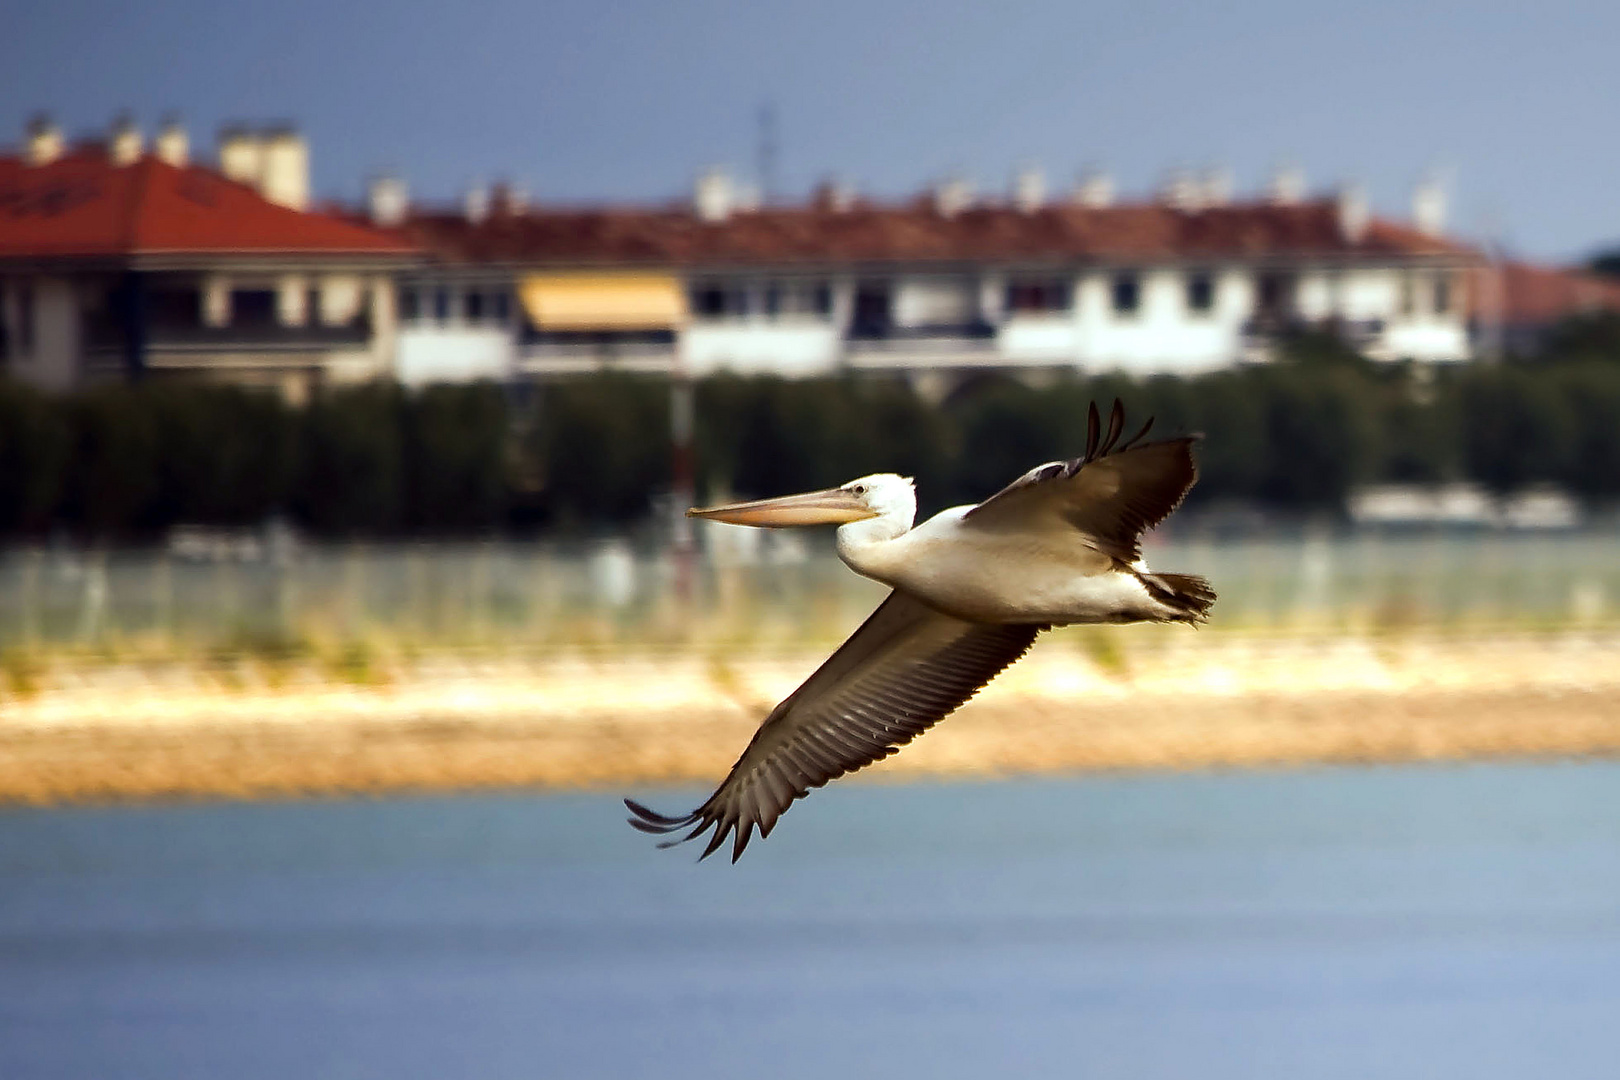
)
(1083, 700)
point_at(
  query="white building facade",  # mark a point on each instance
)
(931, 286)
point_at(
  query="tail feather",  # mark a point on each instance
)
(1190, 595)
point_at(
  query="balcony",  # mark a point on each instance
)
(1261, 335)
(877, 346)
(182, 340)
(581, 352)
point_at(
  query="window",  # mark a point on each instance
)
(1201, 292)
(1442, 294)
(1038, 297)
(312, 307)
(716, 300)
(1126, 294)
(25, 318)
(821, 299)
(500, 307)
(1408, 301)
(874, 310)
(473, 306)
(174, 307)
(410, 305)
(441, 304)
(1276, 298)
(253, 307)
(796, 298)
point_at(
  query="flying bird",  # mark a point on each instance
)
(973, 586)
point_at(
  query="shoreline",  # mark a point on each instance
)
(119, 733)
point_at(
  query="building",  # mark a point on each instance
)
(1515, 304)
(122, 260)
(119, 260)
(943, 285)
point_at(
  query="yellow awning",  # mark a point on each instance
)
(603, 301)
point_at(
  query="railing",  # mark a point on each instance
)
(207, 339)
(248, 594)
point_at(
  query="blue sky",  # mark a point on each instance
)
(1515, 104)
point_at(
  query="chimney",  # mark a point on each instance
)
(44, 141)
(1096, 189)
(712, 196)
(388, 201)
(1429, 207)
(1217, 186)
(1182, 192)
(952, 197)
(124, 142)
(834, 195)
(171, 144)
(241, 156)
(285, 164)
(1287, 186)
(475, 204)
(1353, 212)
(1029, 190)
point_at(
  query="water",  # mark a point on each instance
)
(1413, 922)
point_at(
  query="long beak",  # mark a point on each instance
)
(834, 506)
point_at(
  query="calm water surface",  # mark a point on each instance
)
(1421, 922)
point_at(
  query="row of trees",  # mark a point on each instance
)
(129, 461)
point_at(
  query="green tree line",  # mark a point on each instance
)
(129, 461)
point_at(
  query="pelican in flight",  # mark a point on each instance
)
(973, 586)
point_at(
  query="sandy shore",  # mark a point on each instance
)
(112, 732)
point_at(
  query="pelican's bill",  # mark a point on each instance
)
(834, 506)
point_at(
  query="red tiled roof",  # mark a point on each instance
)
(912, 233)
(84, 205)
(1520, 294)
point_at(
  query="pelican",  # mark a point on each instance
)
(972, 587)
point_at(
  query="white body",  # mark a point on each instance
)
(992, 576)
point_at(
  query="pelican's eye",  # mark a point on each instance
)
(859, 489)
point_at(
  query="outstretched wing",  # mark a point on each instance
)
(907, 667)
(1113, 494)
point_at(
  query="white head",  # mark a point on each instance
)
(887, 495)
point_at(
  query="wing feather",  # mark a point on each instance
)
(1113, 494)
(906, 668)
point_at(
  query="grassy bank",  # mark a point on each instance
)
(1085, 699)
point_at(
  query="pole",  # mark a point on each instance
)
(682, 541)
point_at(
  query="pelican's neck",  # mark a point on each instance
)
(860, 543)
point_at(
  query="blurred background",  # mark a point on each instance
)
(356, 368)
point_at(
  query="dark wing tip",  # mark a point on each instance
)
(1116, 427)
(650, 821)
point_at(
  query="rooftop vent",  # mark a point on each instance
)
(1287, 186)
(124, 142)
(274, 160)
(712, 197)
(44, 141)
(1182, 192)
(1029, 190)
(1095, 189)
(1429, 207)
(388, 201)
(508, 200)
(171, 144)
(834, 195)
(952, 197)
(1353, 212)
(475, 204)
